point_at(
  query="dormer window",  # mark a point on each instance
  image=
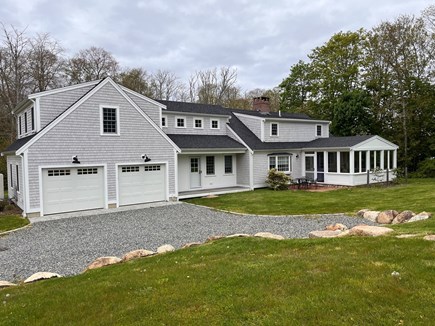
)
(319, 130)
(109, 120)
(164, 121)
(274, 129)
(180, 122)
(20, 127)
(25, 122)
(214, 124)
(32, 113)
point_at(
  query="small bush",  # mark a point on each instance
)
(3, 204)
(277, 180)
(426, 169)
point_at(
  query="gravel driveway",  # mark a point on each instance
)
(67, 246)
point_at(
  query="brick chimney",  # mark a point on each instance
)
(261, 103)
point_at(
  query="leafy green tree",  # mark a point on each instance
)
(352, 115)
(137, 80)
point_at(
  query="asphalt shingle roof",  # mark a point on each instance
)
(18, 144)
(205, 142)
(337, 141)
(195, 108)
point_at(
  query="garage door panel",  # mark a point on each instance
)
(141, 184)
(73, 189)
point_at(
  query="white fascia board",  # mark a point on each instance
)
(212, 151)
(63, 89)
(24, 105)
(394, 146)
(280, 119)
(239, 139)
(143, 97)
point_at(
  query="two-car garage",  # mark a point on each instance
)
(67, 189)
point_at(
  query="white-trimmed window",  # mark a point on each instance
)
(319, 130)
(18, 178)
(109, 120)
(214, 123)
(274, 131)
(11, 177)
(20, 125)
(180, 122)
(281, 163)
(209, 165)
(32, 113)
(228, 162)
(164, 121)
(198, 123)
(25, 122)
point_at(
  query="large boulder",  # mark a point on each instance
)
(371, 215)
(5, 284)
(336, 226)
(420, 217)
(103, 261)
(369, 231)
(269, 235)
(403, 217)
(40, 276)
(137, 254)
(324, 234)
(386, 217)
(165, 248)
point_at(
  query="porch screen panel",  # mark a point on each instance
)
(356, 162)
(372, 161)
(378, 160)
(332, 162)
(391, 159)
(344, 162)
(364, 161)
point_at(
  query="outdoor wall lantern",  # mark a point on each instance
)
(75, 160)
(145, 158)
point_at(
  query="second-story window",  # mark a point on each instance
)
(274, 129)
(32, 112)
(180, 122)
(25, 122)
(109, 121)
(197, 123)
(318, 130)
(164, 122)
(214, 124)
(20, 126)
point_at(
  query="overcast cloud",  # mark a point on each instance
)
(262, 39)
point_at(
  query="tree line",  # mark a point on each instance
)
(377, 81)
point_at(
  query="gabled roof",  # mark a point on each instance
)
(18, 144)
(205, 142)
(187, 107)
(76, 104)
(348, 141)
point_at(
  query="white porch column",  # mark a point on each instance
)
(351, 162)
(395, 159)
(382, 160)
(367, 161)
(338, 162)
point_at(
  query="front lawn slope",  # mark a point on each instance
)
(418, 195)
(247, 281)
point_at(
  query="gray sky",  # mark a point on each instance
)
(262, 39)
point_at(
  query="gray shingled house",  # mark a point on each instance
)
(100, 145)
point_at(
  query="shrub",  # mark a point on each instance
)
(277, 180)
(426, 168)
(3, 204)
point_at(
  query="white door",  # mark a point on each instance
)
(139, 184)
(195, 172)
(72, 189)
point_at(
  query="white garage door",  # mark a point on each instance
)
(139, 184)
(72, 189)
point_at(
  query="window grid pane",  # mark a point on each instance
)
(319, 130)
(163, 121)
(228, 164)
(283, 163)
(274, 131)
(180, 122)
(214, 124)
(109, 121)
(209, 164)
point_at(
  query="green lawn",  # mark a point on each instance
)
(11, 222)
(418, 195)
(245, 281)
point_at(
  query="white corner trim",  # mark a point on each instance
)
(63, 89)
